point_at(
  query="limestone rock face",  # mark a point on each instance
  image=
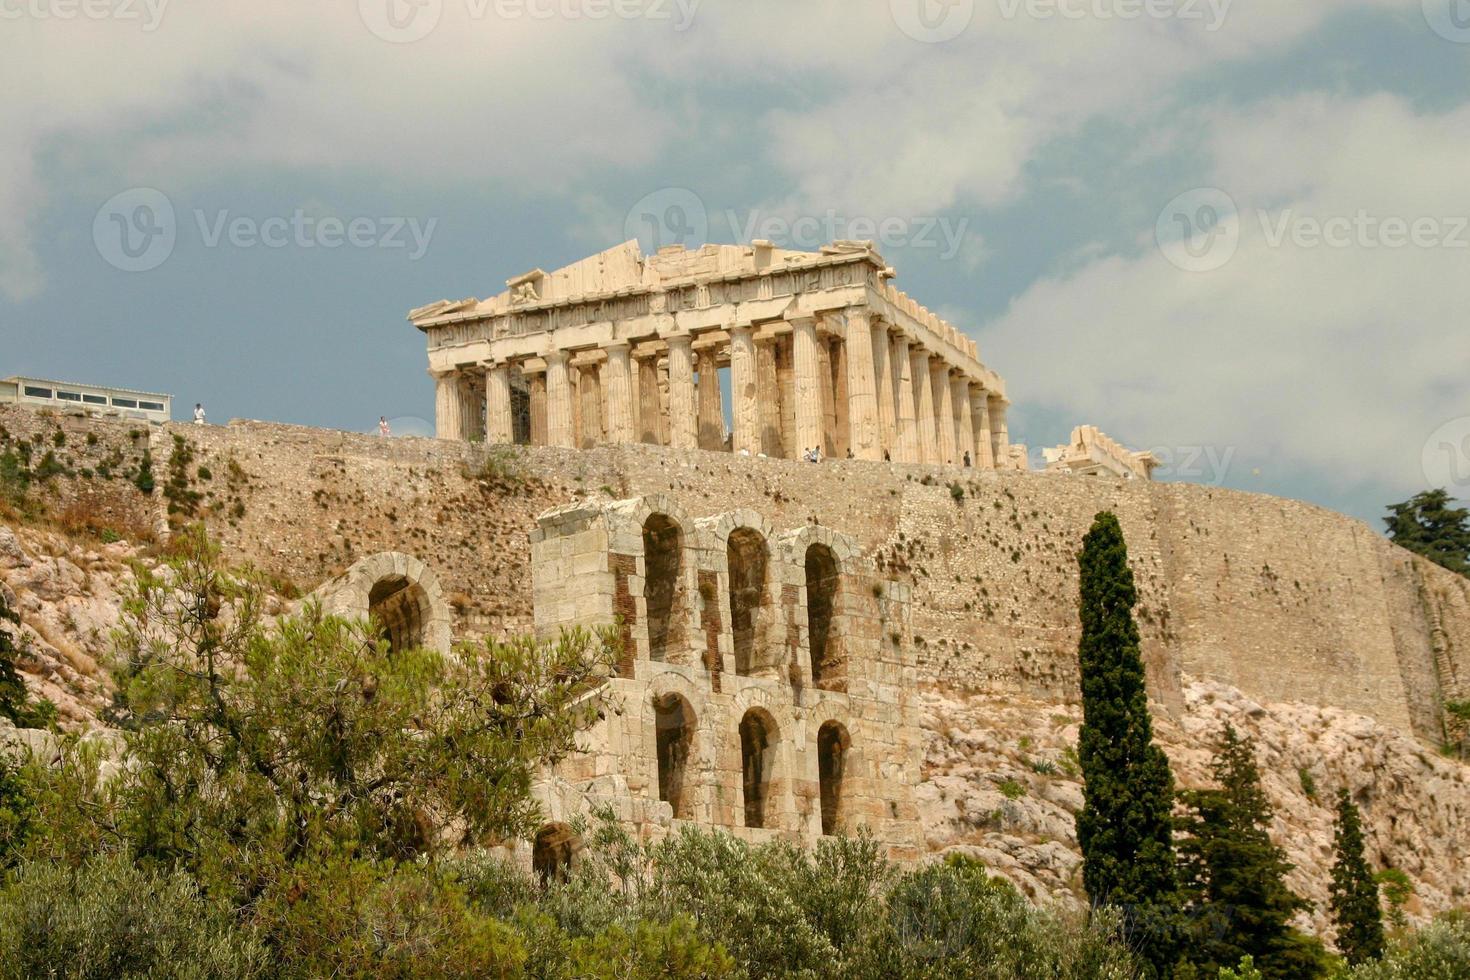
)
(1001, 783)
(68, 598)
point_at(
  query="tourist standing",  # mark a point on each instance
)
(383, 429)
(198, 413)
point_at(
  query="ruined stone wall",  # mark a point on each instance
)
(1285, 600)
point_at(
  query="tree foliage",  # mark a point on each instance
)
(1355, 908)
(1124, 828)
(1428, 525)
(1233, 877)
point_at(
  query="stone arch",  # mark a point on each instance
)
(823, 581)
(675, 726)
(663, 584)
(553, 850)
(748, 563)
(833, 745)
(759, 742)
(397, 592)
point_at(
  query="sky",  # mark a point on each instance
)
(1233, 232)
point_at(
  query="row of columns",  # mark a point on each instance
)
(852, 387)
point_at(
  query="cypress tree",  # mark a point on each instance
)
(1354, 904)
(1234, 878)
(1124, 828)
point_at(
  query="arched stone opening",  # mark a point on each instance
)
(401, 610)
(748, 562)
(822, 580)
(674, 726)
(663, 566)
(552, 853)
(758, 739)
(833, 743)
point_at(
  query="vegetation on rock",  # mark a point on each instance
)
(1355, 907)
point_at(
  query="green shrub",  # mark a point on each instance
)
(109, 919)
(1440, 951)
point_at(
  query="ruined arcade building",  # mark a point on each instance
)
(763, 686)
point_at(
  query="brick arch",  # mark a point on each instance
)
(400, 592)
(747, 549)
(829, 568)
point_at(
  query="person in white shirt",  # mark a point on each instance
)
(383, 429)
(198, 413)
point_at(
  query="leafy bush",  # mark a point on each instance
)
(108, 919)
(1440, 951)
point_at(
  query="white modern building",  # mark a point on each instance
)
(67, 396)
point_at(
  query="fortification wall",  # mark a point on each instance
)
(1286, 601)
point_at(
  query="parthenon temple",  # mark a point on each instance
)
(821, 350)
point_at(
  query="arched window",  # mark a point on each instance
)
(552, 852)
(821, 602)
(673, 722)
(747, 560)
(663, 560)
(400, 608)
(832, 745)
(758, 761)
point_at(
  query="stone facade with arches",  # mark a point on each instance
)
(397, 592)
(721, 711)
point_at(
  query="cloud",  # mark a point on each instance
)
(1328, 343)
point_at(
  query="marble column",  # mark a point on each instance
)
(447, 417)
(619, 389)
(964, 425)
(908, 426)
(711, 409)
(887, 410)
(744, 400)
(536, 395)
(589, 427)
(928, 448)
(683, 433)
(1000, 437)
(499, 428)
(807, 382)
(558, 401)
(980, 419)
(828, 394)
(650, 407)
(943, 411)
(471, 405)
(768, 398)
(862, 394)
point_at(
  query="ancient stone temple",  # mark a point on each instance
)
(821, 351)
